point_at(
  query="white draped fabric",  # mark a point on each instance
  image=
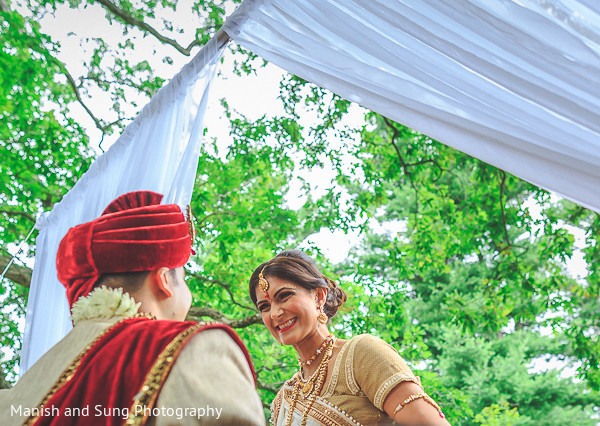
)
(515, 83)
(158, 151)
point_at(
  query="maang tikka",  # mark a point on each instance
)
(263, 284)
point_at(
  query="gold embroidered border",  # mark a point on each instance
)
(352, 385)
(321, 411)
(66, 376)
(157, 376)
(275, 408)
(330, 387)
(389, 385)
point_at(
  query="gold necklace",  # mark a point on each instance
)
(318, 379)
(310, 361)
(307, 384)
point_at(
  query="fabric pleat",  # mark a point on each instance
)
(513, 83)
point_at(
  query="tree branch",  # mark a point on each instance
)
(70, 79)
(73, 85)
(266, 387)
(16, 273)
(225, 286)
(18, 213)
(128, 19)
(576, 213)
(4, 6)
(502, 181)
(405, 166)
(395, 134)
(196, 313)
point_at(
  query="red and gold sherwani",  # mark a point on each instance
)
(116, 367)
(135, 370)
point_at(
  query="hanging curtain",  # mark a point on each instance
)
(158, 151)
(513, 83)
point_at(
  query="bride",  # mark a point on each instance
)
(339, 382)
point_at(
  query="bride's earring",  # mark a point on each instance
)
(322, 318)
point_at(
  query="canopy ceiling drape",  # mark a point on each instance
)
(515, 83)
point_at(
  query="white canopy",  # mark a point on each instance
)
(515, 83)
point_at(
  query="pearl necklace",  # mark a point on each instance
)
(310, 361)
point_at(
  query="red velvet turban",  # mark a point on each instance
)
(134, 233)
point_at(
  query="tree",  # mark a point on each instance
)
(460, 266)
(483, 277)
(43, 150)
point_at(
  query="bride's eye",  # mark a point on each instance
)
(285, 295)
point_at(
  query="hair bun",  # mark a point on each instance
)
(336, 297)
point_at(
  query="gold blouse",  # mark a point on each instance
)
(366, 370)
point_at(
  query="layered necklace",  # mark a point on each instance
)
(310, 388)
(321, 349)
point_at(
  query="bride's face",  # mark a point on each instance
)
(289, 312)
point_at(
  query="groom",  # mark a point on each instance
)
(131, 358)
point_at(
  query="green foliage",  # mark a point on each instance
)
(498, 415)
(460, 266)
(43, 149)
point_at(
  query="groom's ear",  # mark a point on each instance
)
(161, 282)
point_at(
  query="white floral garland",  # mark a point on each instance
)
(104, 302)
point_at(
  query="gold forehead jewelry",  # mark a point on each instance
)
(263, 284)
